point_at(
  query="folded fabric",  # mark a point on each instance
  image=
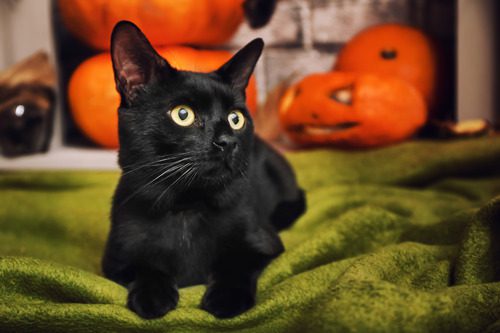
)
(400, 239)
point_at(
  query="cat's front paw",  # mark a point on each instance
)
(152, 301)
(227, 302)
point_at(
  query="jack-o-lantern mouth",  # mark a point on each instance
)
(315, 130)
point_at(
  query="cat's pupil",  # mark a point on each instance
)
(183, 114)
(235, 119)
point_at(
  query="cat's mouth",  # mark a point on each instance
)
(316, 130)
(219, 166)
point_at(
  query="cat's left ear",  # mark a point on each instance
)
(136, 64)
(239, 68)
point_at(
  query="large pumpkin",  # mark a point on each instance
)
(393, 49)
(93, 99)
(165, 22)
(351, 110)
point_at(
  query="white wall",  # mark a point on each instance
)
(476, 40)
(24, 29)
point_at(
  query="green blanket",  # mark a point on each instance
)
(401, 239)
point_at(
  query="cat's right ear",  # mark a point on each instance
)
(136, 64)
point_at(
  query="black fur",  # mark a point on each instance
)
(196, 204)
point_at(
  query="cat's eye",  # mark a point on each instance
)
(236, 120)
(182, 115)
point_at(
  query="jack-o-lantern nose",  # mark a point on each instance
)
(343, 95)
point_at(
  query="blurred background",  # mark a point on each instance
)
(51, 71)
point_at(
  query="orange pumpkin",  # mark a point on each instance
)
(165, 22)
(349, 110)
(93, 99)
(393, 49)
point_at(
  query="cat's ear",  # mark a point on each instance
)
(239, 68)
(136, 64)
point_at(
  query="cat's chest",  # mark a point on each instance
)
(186, 230)
(178, 230)
(191, 243)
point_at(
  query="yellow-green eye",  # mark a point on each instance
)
(182, 115)
(236, 120)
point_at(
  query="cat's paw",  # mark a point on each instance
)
(227, 302)
(152, 301)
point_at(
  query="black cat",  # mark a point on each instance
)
(200, 197)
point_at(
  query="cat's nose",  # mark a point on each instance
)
(225, 143)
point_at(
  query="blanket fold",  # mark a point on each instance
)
(401, 239)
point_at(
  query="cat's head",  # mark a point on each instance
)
(173, 121)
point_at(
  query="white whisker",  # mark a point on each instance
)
(159, 162)
(171, 169)
(186, 173)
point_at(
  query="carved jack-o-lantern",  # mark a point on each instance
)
(351, 110)
(393, 49)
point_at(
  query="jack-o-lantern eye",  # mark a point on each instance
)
(389, 54)
(342, 95)
(236, 120)
(182, 115)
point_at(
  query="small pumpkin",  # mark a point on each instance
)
(93, 99)
(393, 49)
(165, 22)
(351, 110)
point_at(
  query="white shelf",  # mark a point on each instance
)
(67, 158)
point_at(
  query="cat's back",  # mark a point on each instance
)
(277, 195)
